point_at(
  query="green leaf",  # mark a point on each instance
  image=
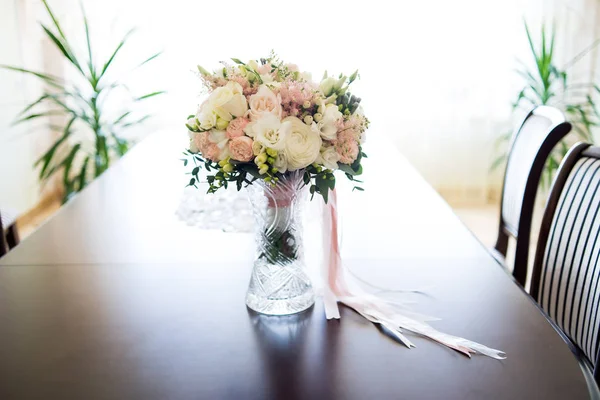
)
(112, 57)
(121, 117)
(82, 177)
(358, 188)
(147, 96)
(347, 169)
(147, 60)
(89, 46)
(67, 163)
(54, 20)
(38, 115)
(64, 48)
(46, 158)
(136, 122)
(498, 162)
(237, 61)
(49, 79)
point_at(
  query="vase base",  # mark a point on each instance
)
(280, 306)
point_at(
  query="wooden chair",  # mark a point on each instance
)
(531, 144)
(566, 273)
(9, 237)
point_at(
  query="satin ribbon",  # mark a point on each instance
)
(395, 317)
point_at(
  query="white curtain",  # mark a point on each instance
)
(437, 77)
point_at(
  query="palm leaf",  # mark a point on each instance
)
(112, 57)
(38, 115)
(89, 45)
(82, 177)
(46, 158)
(152, 57)
(147, 96)
(54, 20)
(63, 47)
(49, 79)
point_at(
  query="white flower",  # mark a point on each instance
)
(326, 86)
(266, 78)
(302, 144)
(206, 116)
(281, 162)
(193, 147)
(268, 132)
(327, 126)
(252, 64)
(264, 102)
(329, 158)
(228, 101)
(221, 140)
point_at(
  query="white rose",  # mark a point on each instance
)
(281, 162)
(228, 101)
(264, 102)
(268, 132)
(328, 124)
(302, 143)
(329, 158)
(207, 118)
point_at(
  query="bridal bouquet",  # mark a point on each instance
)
(266, 120)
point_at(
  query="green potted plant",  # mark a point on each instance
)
(90, 139)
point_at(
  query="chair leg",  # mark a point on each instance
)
(12, 236)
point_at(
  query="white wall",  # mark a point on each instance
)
(18, 184)
(437, 77)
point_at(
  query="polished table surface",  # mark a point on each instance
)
(115, 298)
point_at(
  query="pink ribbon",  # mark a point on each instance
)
(391, 316)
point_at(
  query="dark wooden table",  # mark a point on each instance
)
(115, 298)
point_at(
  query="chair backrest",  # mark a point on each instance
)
(566, 270)
(531, 144)
(3, 244)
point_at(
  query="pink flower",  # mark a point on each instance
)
(201, 141)
(347, 147)
(208, 149)
(264, 69)
(241, 148)
(236, 127)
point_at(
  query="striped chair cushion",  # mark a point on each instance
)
(569, 286)
(522, 154)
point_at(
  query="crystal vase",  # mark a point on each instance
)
(279, 284)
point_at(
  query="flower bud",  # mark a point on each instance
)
(270, 160)
(222, 124)
(308, 120)
(228, 168)
(262, 158)
(203, 71)
(272, 152)
(275, 170)
(252, 64)
(339, 83)
(306, 104)
(263, 169)
(318, 117)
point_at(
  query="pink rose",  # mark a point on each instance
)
(347, 147)
(264, 69)
(236, 127)
(241, 148)
(201, 141)
(208, 149)
(212, 152)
